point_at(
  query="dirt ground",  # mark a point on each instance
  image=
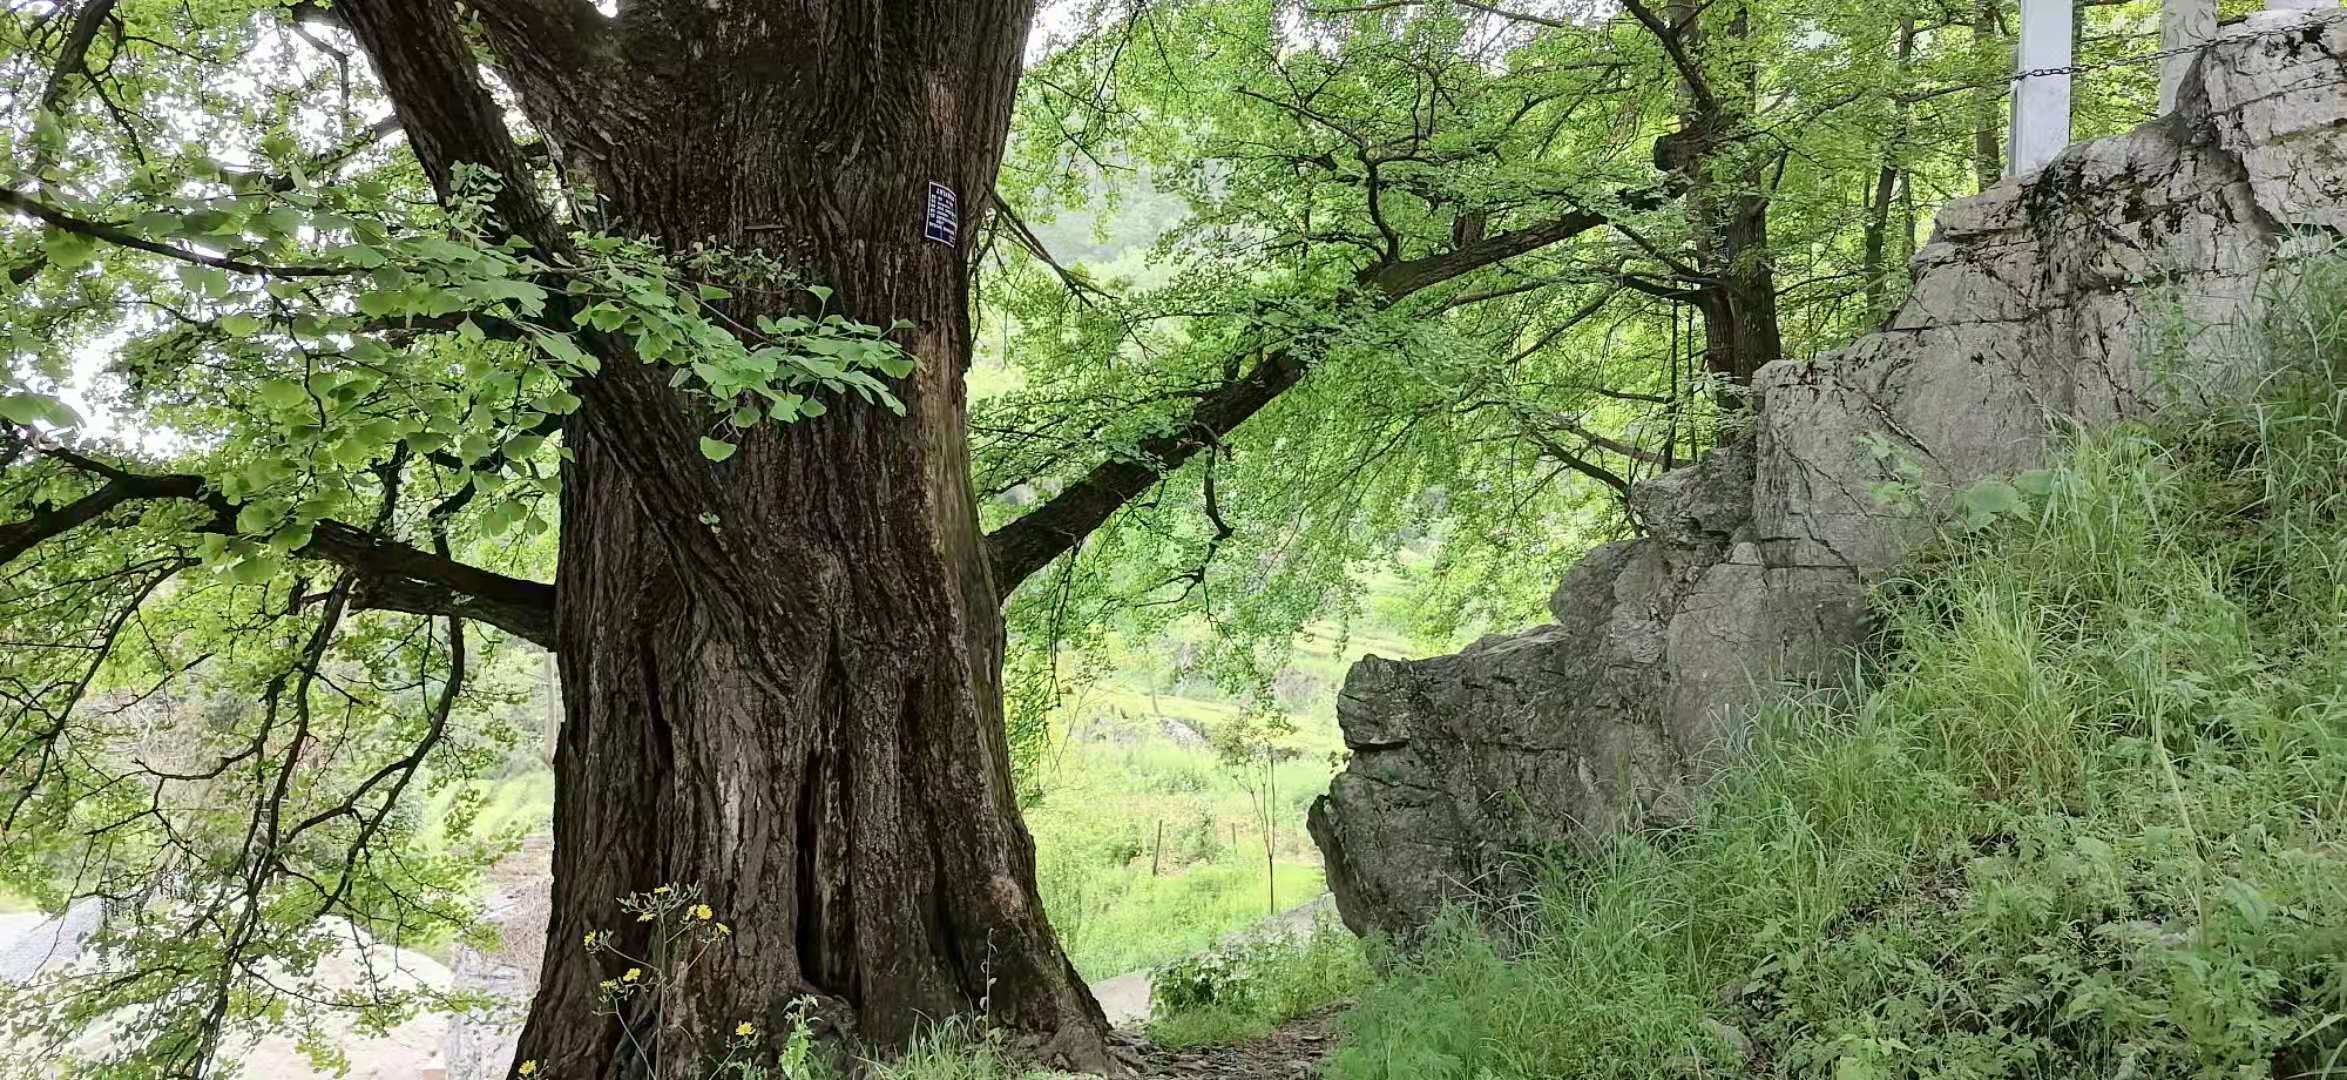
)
(1294, 1051)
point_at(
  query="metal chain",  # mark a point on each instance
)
(2163, 54)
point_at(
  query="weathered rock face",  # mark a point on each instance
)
(480, 1044)
(2041, 301)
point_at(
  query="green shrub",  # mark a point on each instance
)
(1245, 989)
(2086, 818)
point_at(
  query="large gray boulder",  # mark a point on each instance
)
(2042, 301)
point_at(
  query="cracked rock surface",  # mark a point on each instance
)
(2104, 286)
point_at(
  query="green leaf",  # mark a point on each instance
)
(69, 251)
(1992, 496)
(292, 537)
(717, 449)
(498, 518)
(256, 517)
(253, 569)
(30, 408)
(283, 393)
(567, 353)
(210, 280)
(383, 302)
(240, 325)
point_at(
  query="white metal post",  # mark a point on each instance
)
(2041, 103)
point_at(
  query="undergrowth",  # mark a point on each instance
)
(2085, 817)
(1243, 991)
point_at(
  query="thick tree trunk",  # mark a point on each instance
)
(783, 670)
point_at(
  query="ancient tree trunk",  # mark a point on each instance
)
(1740, 304)
(782, 670)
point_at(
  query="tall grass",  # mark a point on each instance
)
(2085, 817)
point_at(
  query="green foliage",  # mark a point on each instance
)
(221, 272)
(2083, 819)
(1252, 172)
(1109, 815)
(1243, 990)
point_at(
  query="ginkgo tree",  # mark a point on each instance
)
(639, 331)
(683, 277)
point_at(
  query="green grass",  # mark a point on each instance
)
(1125, 920)
(1244, 991)
(1097, 836)
(2087, 817)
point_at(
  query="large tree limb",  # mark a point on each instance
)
(1507, 14)
(1400, 278)
(1557, 452)
(390, 575)
(121, 237)
(73, 57)
(450, 118)
(1028, 544)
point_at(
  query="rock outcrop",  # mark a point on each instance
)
(480, 1044)
(2043, 301)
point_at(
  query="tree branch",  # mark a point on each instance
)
(117, 235)
(73, 59)
(1555, 451)
(1028, 544)
(1471, 5)
(391, 576)
(1401, 277)
(436, 94)
(1033, 245)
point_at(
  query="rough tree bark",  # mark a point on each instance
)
(1727, 185)
(796, 708)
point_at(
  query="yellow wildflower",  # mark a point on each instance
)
(632, 975)
(528, 1068)
(703, 913)
(724, 929)
(745, 1030)
(610, 984)
(646, 917)
(661, 891)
